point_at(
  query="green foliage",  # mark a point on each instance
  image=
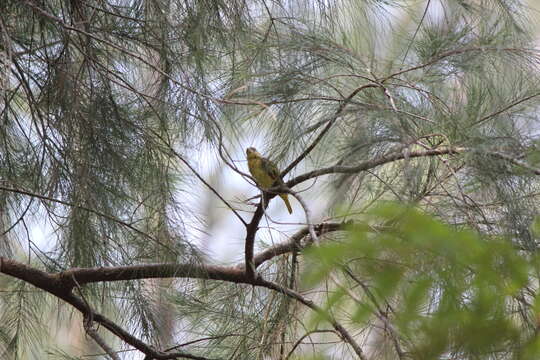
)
(451, 289)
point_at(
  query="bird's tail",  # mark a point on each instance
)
(285, 198)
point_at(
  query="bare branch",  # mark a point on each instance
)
(369, 164)
(251, 230)
(307, 212)
(385, 159)
(294, 242)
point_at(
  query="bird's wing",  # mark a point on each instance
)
(271, 169)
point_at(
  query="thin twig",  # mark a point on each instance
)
(509, 106)
(307, 212)
(323, 132)
(345, 335)
(299, 341)
(380, 313)
(90, 210)
(416, 31)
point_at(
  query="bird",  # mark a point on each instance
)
(266, 173)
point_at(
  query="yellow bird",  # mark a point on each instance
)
(265, 173)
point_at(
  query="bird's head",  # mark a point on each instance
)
(251, 152)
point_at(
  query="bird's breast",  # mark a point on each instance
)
(257, 171)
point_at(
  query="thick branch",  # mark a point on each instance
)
(61, 284)
(294, 242)
(40, 279)
(153, 271)
(251, 230)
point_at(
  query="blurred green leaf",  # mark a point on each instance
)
(333, 302)
(535, 227)
(452, 286)
(363, 312)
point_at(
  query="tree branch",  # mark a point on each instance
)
(294, 242)
(251, 230)
(94, 335)
(61, 285)
(369, 164)
(385, 159)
